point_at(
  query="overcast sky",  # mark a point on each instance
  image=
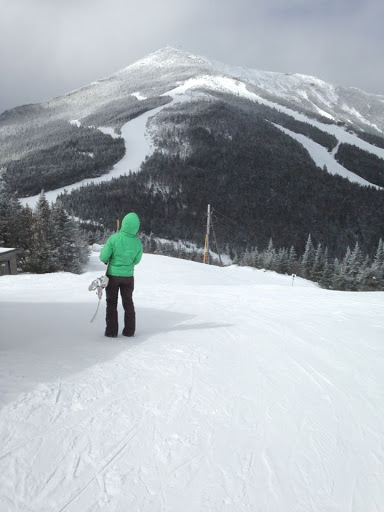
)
(50, 47)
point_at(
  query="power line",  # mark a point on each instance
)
(235, 225)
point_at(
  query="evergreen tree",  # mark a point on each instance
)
(376, 274)
(355, 267)
(249, 258)
(269, 256)
(25, 233)
(282, 261)
(363, 275)
(71, 248)
(292, 261)
(378, 262)
(308, 259)
(318, 264)
(10, 209)
(42, 258)
(325, 280)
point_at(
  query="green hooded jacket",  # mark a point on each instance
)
(123, 249)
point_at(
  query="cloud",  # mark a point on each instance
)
(49, 47)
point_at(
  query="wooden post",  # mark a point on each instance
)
(206, 247)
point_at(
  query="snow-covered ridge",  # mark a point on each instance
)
(312, 93)
(238, 88)
(340, 104)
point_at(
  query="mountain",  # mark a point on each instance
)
(278, 155)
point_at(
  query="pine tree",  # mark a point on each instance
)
(292, 261)
(355, 267)
(269, 256)
(325, 280)
(363, 275)
(249, 258)
(25, 234)
(308, 258)
(70, 244)
(42, 257)
(10, 209)
(318, 264)
(339, 278)
(377, 267)
(282, 261)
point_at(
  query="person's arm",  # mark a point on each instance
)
(106, 252)
(138, 255)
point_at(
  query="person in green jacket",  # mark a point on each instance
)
(122, 251)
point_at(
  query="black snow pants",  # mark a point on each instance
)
(126, 286)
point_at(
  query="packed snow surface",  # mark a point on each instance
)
(239, 392)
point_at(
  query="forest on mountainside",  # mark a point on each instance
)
(362, 163)
(250, 172)
(82, 153)
(122, 110)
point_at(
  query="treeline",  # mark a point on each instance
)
(84, 153)
(354, 271)
(180, 249)
(50, 239)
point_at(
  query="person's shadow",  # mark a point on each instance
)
(151, 321)
(43, 342)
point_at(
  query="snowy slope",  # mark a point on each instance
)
(139, 144)
(336, 103)
(240, 392)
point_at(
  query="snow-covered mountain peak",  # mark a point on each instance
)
(169, 57)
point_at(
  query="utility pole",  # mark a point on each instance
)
(206, 248)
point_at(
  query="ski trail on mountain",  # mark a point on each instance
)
(138, 146)
(323, 158)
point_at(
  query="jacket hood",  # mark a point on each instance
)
(130, 224)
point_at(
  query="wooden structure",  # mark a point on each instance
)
(8, 263)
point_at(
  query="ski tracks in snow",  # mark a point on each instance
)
(233, 396)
